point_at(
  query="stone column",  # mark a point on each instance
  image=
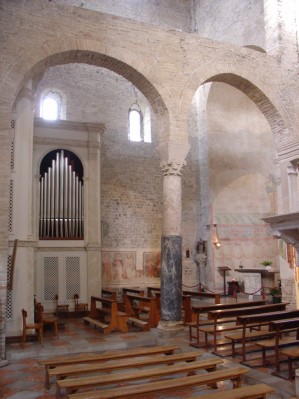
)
(93, 211)
(4, 158)
(171, 246)
(23, 220)
(293, 193)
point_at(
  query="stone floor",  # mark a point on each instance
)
(23, 378)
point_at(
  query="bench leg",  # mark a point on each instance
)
(290, 364)
(47, 378)
(236, 382)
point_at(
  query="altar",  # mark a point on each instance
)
(253, 279)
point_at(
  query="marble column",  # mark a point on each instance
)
(171, 247)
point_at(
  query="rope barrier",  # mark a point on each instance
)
(261, 290)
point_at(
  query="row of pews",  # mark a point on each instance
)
(137, 307)
(269, 330)
(125, 374)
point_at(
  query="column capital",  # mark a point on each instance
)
(172, 167)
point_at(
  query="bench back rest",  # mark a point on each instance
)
(110, 306)
(216, 296)
(108, 294)
(134, 291)
(208, 308)
(137, 302)
(151, 291)
(267, 317)
(287, 324)
(225, 313)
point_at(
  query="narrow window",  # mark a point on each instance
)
(135, 130)
(50, 109)
(50, 106)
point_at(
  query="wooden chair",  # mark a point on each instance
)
(46, 320)
(79, 307)
(38, 327)
(63, 308)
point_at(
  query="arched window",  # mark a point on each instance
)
(135, 124)
(50, 106)
(50, 109)
(61, 205)
(139, 124)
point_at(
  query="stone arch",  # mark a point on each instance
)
(255, 87)
(33, 65)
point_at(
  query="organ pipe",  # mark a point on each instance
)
(61, 201)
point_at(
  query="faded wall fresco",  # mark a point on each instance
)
(120, 268)
(152, 265)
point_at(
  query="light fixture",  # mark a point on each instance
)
(214, 234)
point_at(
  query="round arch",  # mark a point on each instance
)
(56, 52)
(254, 87)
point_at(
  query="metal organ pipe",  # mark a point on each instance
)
(61, 201)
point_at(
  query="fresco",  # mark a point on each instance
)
(118, 266)
(152, 264)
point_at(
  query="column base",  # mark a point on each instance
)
(3, 363)
(170, 328)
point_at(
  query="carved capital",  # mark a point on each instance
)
(173, 167)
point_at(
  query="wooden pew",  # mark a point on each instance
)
(72, 385)
(109, 294)
(101, 357)
(291, 353)
(200, 295)
(258, 320)
(257, 391)
(186, 304)
(131, 291)
(200, 310)
(106, 316)
(282, 328)
(136, 305)
(151, 291)
(217, 315)
(62, 372)
(166, 385)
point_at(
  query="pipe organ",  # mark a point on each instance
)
(61, 200)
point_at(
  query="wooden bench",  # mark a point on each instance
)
(186, 304)
(200, 310)
(131, 291)
(258, 320)
(151, 291)
(74, 384)
(282, 328)
(166, 385)
(201, 295)
(136, 305)
(291, 354)
(106, 316)
(62, 372)
(109, 294)
(257, 391)
(218, 315)
(101, 357)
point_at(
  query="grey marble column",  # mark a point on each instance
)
(171, 247)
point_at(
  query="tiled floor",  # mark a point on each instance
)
(23, 378)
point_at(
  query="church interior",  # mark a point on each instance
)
(146, 143)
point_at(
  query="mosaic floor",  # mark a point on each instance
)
(23, 378)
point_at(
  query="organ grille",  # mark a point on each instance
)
(61, 199)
